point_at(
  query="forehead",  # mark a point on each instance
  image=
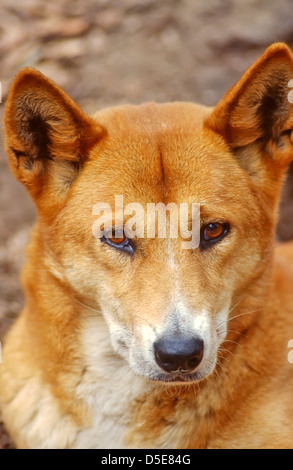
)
(160, 153)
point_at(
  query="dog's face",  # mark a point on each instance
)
(167, 306)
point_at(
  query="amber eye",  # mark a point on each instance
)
(120, 242)
(213, 233)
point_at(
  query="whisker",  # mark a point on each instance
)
(231, 310)
(86, 306)
(231, 331)
(246, 313)
(226, 350)
(219, 364)
(230, 341)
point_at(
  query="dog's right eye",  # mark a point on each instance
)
(120, 242)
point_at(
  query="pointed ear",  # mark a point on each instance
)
(47, 135)
(256, 114)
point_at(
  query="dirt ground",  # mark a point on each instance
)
(108, 52)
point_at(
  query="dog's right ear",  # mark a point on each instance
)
(47, 136)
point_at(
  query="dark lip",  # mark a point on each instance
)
(177, 378)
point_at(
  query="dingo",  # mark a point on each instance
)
(135, 342)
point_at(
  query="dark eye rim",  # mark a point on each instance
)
(209, 242)
(125, 246)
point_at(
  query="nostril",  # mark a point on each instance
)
(194, 361)
(177, 353)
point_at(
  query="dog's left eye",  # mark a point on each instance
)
(120, 242)
(213, 233)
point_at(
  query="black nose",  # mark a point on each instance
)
(178, 353)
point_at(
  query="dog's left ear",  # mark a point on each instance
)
(255, 117)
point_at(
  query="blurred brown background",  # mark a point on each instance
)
(108, 52)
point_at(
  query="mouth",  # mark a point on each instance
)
(177, 377)
(152, 372)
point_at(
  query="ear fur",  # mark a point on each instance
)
(45, 128)
(257, 110)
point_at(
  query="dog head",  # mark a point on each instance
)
(95, 180)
